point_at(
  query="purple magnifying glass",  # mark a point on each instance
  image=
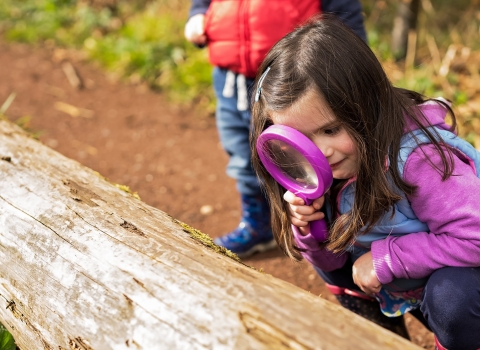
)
(294, 161)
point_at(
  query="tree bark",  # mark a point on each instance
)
(85, 265)
(404, 22)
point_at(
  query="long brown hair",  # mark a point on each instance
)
(326, 56)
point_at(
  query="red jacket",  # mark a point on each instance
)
(241, 32)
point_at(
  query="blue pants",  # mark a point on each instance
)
(450, 305)
(234, 129)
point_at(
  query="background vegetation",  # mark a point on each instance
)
(139, 40)
(142, 41)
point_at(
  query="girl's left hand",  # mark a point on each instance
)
(364, 274)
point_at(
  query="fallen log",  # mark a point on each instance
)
(85, 265)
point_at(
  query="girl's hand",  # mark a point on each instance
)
(364, 274)
(301, 214)
(195, 30)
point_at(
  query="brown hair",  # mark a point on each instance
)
(326, 56)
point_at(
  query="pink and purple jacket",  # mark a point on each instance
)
(445, 217)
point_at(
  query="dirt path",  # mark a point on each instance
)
(132, 136)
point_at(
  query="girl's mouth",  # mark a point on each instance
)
(336, 165)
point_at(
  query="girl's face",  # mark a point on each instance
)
(312, 116)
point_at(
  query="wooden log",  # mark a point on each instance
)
(85, 265)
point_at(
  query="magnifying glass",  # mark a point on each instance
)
(294, 161)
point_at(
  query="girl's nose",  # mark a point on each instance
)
(326, 149)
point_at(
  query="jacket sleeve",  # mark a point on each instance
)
(321, 258)
(349, 11)
(198, 6)
(450, 208)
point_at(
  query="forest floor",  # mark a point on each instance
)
(133, 136)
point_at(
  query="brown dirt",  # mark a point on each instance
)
(133, 136)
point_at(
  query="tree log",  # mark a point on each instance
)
(85, 265)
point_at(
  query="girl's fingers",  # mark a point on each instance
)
(297, 205)
(298, 223)
(318, 203)
(297, 201)
(292, 199)
(304, 230)
(302, 209)
(301, 214)
(303, 220)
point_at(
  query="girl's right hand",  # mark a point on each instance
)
(301, 214)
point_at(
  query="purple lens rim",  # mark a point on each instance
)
(307, 149)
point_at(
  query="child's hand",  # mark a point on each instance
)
(364, 274)
(301, 214)
(195, 30)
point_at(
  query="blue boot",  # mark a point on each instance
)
(254, 233)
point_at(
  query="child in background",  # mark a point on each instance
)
(239, 34)
(404, 206)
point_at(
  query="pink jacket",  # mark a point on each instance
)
(450, 208)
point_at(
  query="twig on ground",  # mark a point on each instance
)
(7, 103)
(72, 110)
(72, 75)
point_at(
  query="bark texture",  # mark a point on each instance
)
(85, 265)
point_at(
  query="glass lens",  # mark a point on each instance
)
(293, 165)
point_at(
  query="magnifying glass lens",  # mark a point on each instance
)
(292, 163)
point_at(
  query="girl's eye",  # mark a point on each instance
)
(332, 131)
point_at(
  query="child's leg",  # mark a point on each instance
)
(233, 122)
(340, 279)
(451, 306)
(234, 129)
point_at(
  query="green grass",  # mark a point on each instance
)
(6, 339)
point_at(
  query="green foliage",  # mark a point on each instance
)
(139, 40)
(380, 46)
(6, 339)
(444, 60)
(63, 21)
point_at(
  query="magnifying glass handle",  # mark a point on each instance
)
(319, 230)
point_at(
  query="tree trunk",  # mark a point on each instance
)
(404, 22)
(85, 265)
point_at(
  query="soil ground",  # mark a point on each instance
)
(133, 136)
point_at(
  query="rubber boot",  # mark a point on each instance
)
(254, 233)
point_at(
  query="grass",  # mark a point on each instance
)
(6, 339)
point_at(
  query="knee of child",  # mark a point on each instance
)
(451, 305)
(448, 291)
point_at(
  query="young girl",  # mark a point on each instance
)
(404, 206)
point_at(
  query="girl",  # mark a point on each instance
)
(404, 206)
